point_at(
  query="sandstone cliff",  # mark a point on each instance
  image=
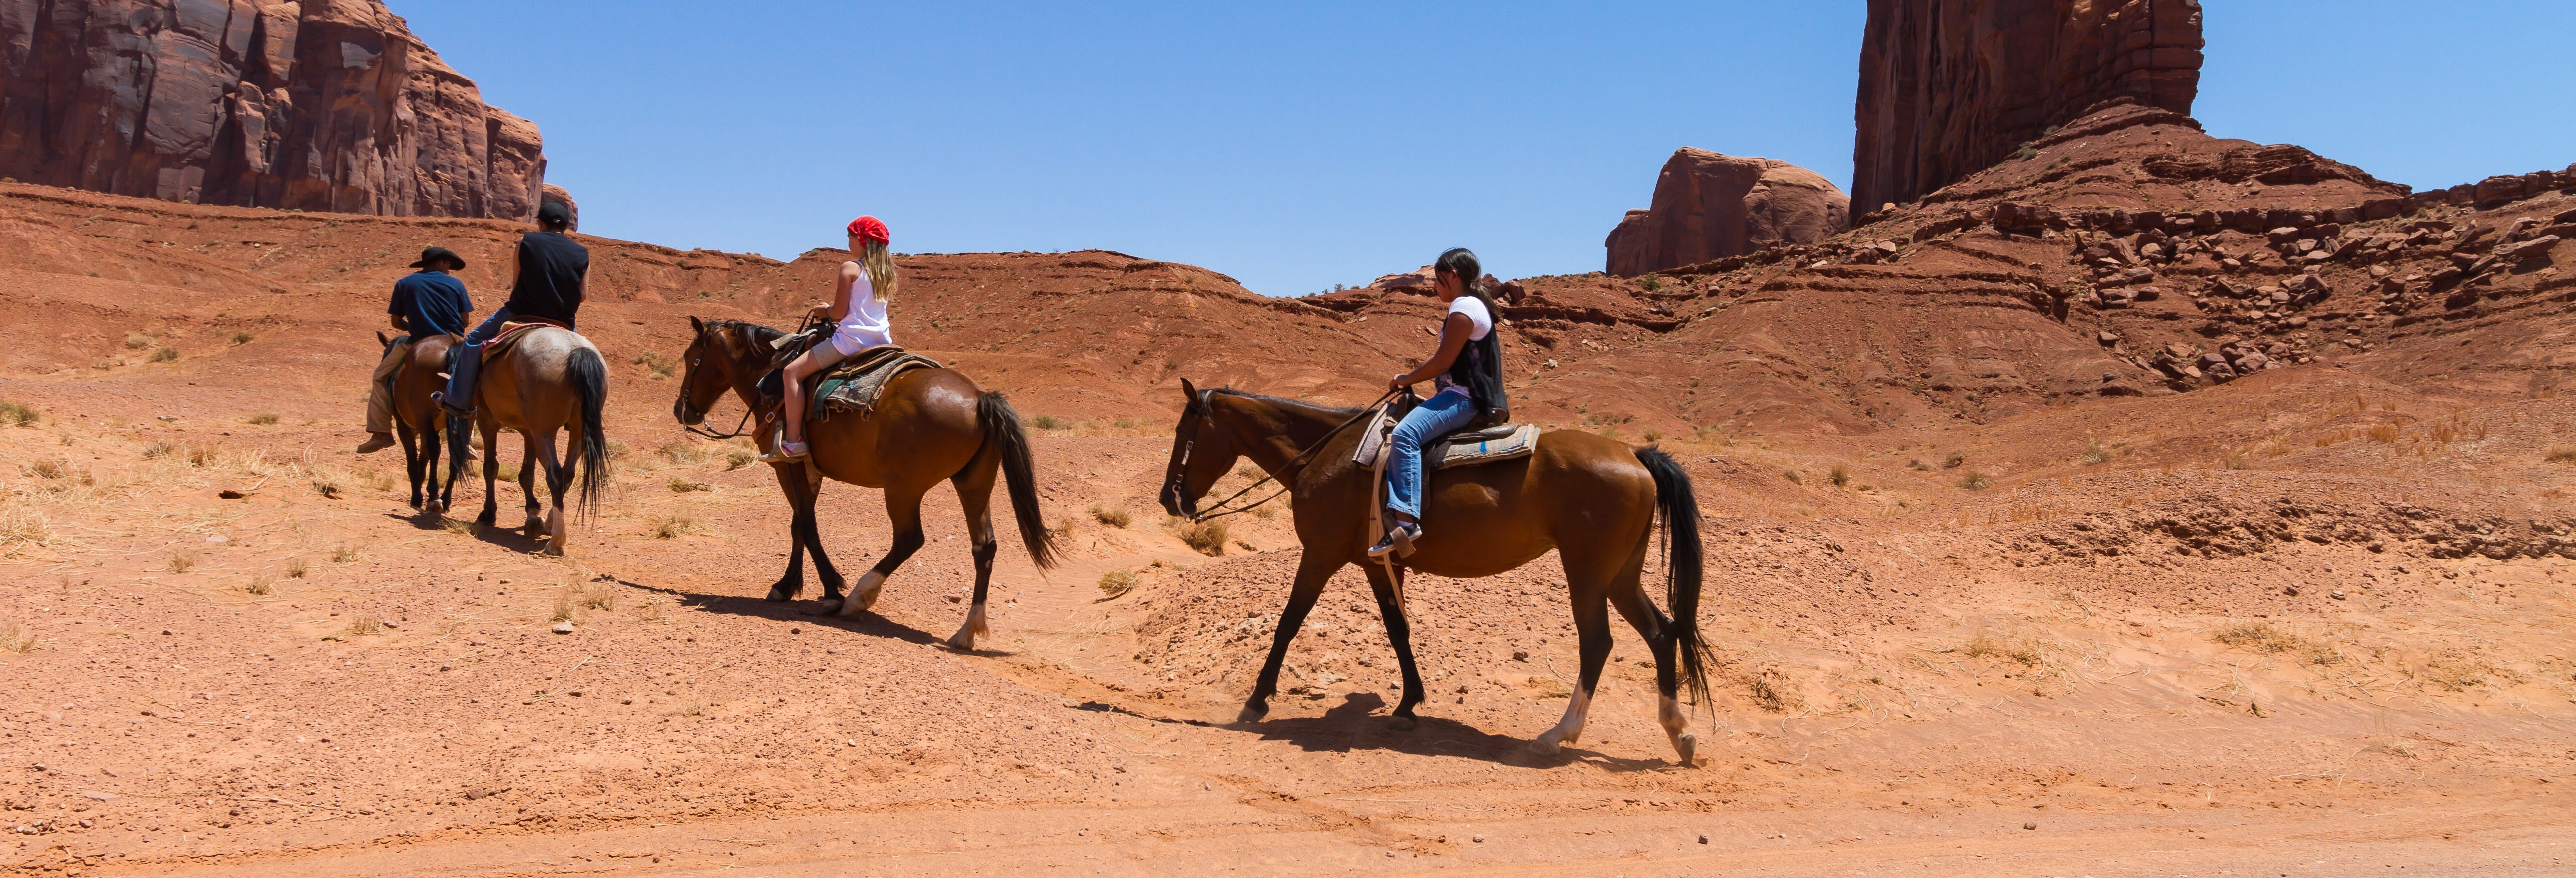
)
(325, 105)
(1950, 87)
(1711, 206)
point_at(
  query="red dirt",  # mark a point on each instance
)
(2096, 664)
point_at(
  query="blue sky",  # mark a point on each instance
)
(1299, 147)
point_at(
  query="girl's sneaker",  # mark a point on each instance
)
(1399, 541)
(784, 451)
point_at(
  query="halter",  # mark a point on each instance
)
(739, 430)
(1200, 409)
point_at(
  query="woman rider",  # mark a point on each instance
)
(1468, 370)
(858, 308)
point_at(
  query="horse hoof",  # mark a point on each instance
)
(1686, 744)
(831, 607)
(781, 594)
(961, 642)
(1544, 747)
(1252, 713)
(1402, 723)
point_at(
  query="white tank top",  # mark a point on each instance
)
(866, 325)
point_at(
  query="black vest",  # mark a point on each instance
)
(1479, 368)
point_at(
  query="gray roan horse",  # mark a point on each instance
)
(1592, 499)
(929, 426)
(550, 379)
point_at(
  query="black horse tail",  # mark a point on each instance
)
(1019, 472)
(590, 382)
(1683, 567)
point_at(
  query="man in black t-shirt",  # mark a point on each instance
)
(549, 272)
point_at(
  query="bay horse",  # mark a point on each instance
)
(550, 379)
(420, 421)
(1591, 498)
(929, 425)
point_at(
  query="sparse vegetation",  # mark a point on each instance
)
(21, 527)
(681, 452)
(2094, 453)
(242, 338)
(682, 485)
(1953, 461)
(296, 568)
(2026, 653)
(325, 486)
(260, 585)
(16, 638)
(1976, 481)
(2562, 454)
(1773, 691)
(1208, 537)
(1652, 283)
(656, 364)
(675, 525)
(1115, 583)
(138, 341)
(738, 457)
(1793, 477)
(2383, 432)
(181, 562)
(2263, 638)
(345, 554)
(16, 415)
(1653, 436)
(593, 595)
(1048, 422)
(1111, 517)
(1840, 475)
(262, 419)
(463, 527)
(360, 625)
(164, 355)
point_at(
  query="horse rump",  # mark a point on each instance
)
(1684, 565)
(1001, 425)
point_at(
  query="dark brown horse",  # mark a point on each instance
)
(551, 380)
(929, 425)
(418, 418)
(1592, 499)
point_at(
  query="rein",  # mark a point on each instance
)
(1208, 412)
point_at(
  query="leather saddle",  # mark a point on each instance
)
(512, 332)
(1467, 447)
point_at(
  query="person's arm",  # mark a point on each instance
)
(841, 288)
(1453, 339)
(394, 309)
(400, 325)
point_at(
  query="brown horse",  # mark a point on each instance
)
(551, 379)
(1592, 499)
(419, 419)
(929, 425)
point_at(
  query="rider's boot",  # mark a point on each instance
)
(459, 395)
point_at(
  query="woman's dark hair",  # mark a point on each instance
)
(1462, 262)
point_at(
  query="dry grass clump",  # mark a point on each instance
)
(2456, 671)
(1773, 691)
(681, 452)
(2562, 454)
(593, 595)
(21, 527)
(463, 527)
(1207, 537)
(2263, 638)
(653, 610)
(242, 338)
(182, 562)
(327, 487)
(16, 415)
(1840, 475)
(1986, 646)
(16, 638)
(658, 365)
(738, 457)
(345, 554)
(682, 485)
(260, 585)
(1111, 517)
(1976, 481)
(296, 568)
(1049, 422)
(2383, 433)
(2094, 453)
(1115, 583)
(262, 419)
(675, 525)
(138, 341)
(1953, 461)
(164, 355)
(360, 625)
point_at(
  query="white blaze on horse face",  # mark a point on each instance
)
(863, 594)
(1567, 730)
(964, 639)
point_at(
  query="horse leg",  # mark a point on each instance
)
(1313, 571)
(975, 493)
(529, 463)
(411, 458)
(812, 529)
(558, 480)
(1628, 594)
(1399, 634)
(1592, 630)
(800, 505)
(491, 472)
(903, 510)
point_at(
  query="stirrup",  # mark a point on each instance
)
(783, 451)
(1399, 542)
(440, 397)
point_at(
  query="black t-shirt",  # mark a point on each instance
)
(551, 271)
(431, 303)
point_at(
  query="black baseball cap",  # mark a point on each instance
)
(554, 213)
(431, 257)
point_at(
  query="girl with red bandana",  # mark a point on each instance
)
(858, 311)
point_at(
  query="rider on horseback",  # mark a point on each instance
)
(549, 274)
(427, 302)
(858, 309)
(1469, 371)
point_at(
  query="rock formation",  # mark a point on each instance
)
(1950, 87)
(325, 105)
(1711, 206)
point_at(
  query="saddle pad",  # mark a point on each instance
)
(1521, 440)
(855, 384)
(510, 334)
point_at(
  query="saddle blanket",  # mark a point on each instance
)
(854, 384)
(1465, 448)
(510, 334)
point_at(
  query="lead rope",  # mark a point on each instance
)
(1293, 462)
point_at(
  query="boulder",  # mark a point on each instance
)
(1709, 206)
(324, 105)
(1951, 87)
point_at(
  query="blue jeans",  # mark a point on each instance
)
(469, 362)
(1438, 416)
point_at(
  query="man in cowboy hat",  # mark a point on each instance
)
(427, 302)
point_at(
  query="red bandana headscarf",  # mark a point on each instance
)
(869, 228)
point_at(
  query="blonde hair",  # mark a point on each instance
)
(880, 268)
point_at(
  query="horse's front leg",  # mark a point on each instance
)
(1313, 570)
(412, 459)
(491, 472)
(791, 484)
(1399, 634)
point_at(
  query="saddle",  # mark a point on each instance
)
(1467, 447)
(854, 384)
(512, 331)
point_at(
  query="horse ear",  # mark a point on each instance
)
(1189, 392)
(381, 340)
(695, 327)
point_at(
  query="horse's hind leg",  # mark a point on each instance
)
(1592, 632)
(1399, 634)
(903, 510)
(541, 448)
(529, 463)
(1628, 594)
(975, 492)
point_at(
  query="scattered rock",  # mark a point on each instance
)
(563, 627)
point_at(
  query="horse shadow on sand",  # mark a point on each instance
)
(798, 613)
(1360, 723)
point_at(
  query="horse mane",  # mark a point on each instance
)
(1338, 410)
(749, 330)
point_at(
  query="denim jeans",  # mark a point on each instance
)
(1438, 416)
(469, 362)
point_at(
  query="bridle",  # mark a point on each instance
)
(1201, 410)
(739, 430)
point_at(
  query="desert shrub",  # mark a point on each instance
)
(1111, 517)
(1840, 476)
(1773, 691)
(2562, 454)
(738, 457)
(1208, 537)
(1048, 422)
(16, 415)
(15, 637)
(1793, 477)
(682, 485)
(181, 562)
(138, 341)
(260, 585)
(682, 452)
(2383, 432)
(675, 525)
(327, 487)
(164, 355)
(1652, 283)
(2094, 453)
(2263, 638)
(20, 527)
(262, 419)
(346, 554)
(656, 364)
(1115, 583)
(242, 338)
(1954, 460)
(296, 568)
(1976, 481)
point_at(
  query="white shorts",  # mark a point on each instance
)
(849, 342)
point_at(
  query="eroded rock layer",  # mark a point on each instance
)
(1711, 206)
(327, 105)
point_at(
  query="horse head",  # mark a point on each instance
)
(1202, 452)
(712, 365)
